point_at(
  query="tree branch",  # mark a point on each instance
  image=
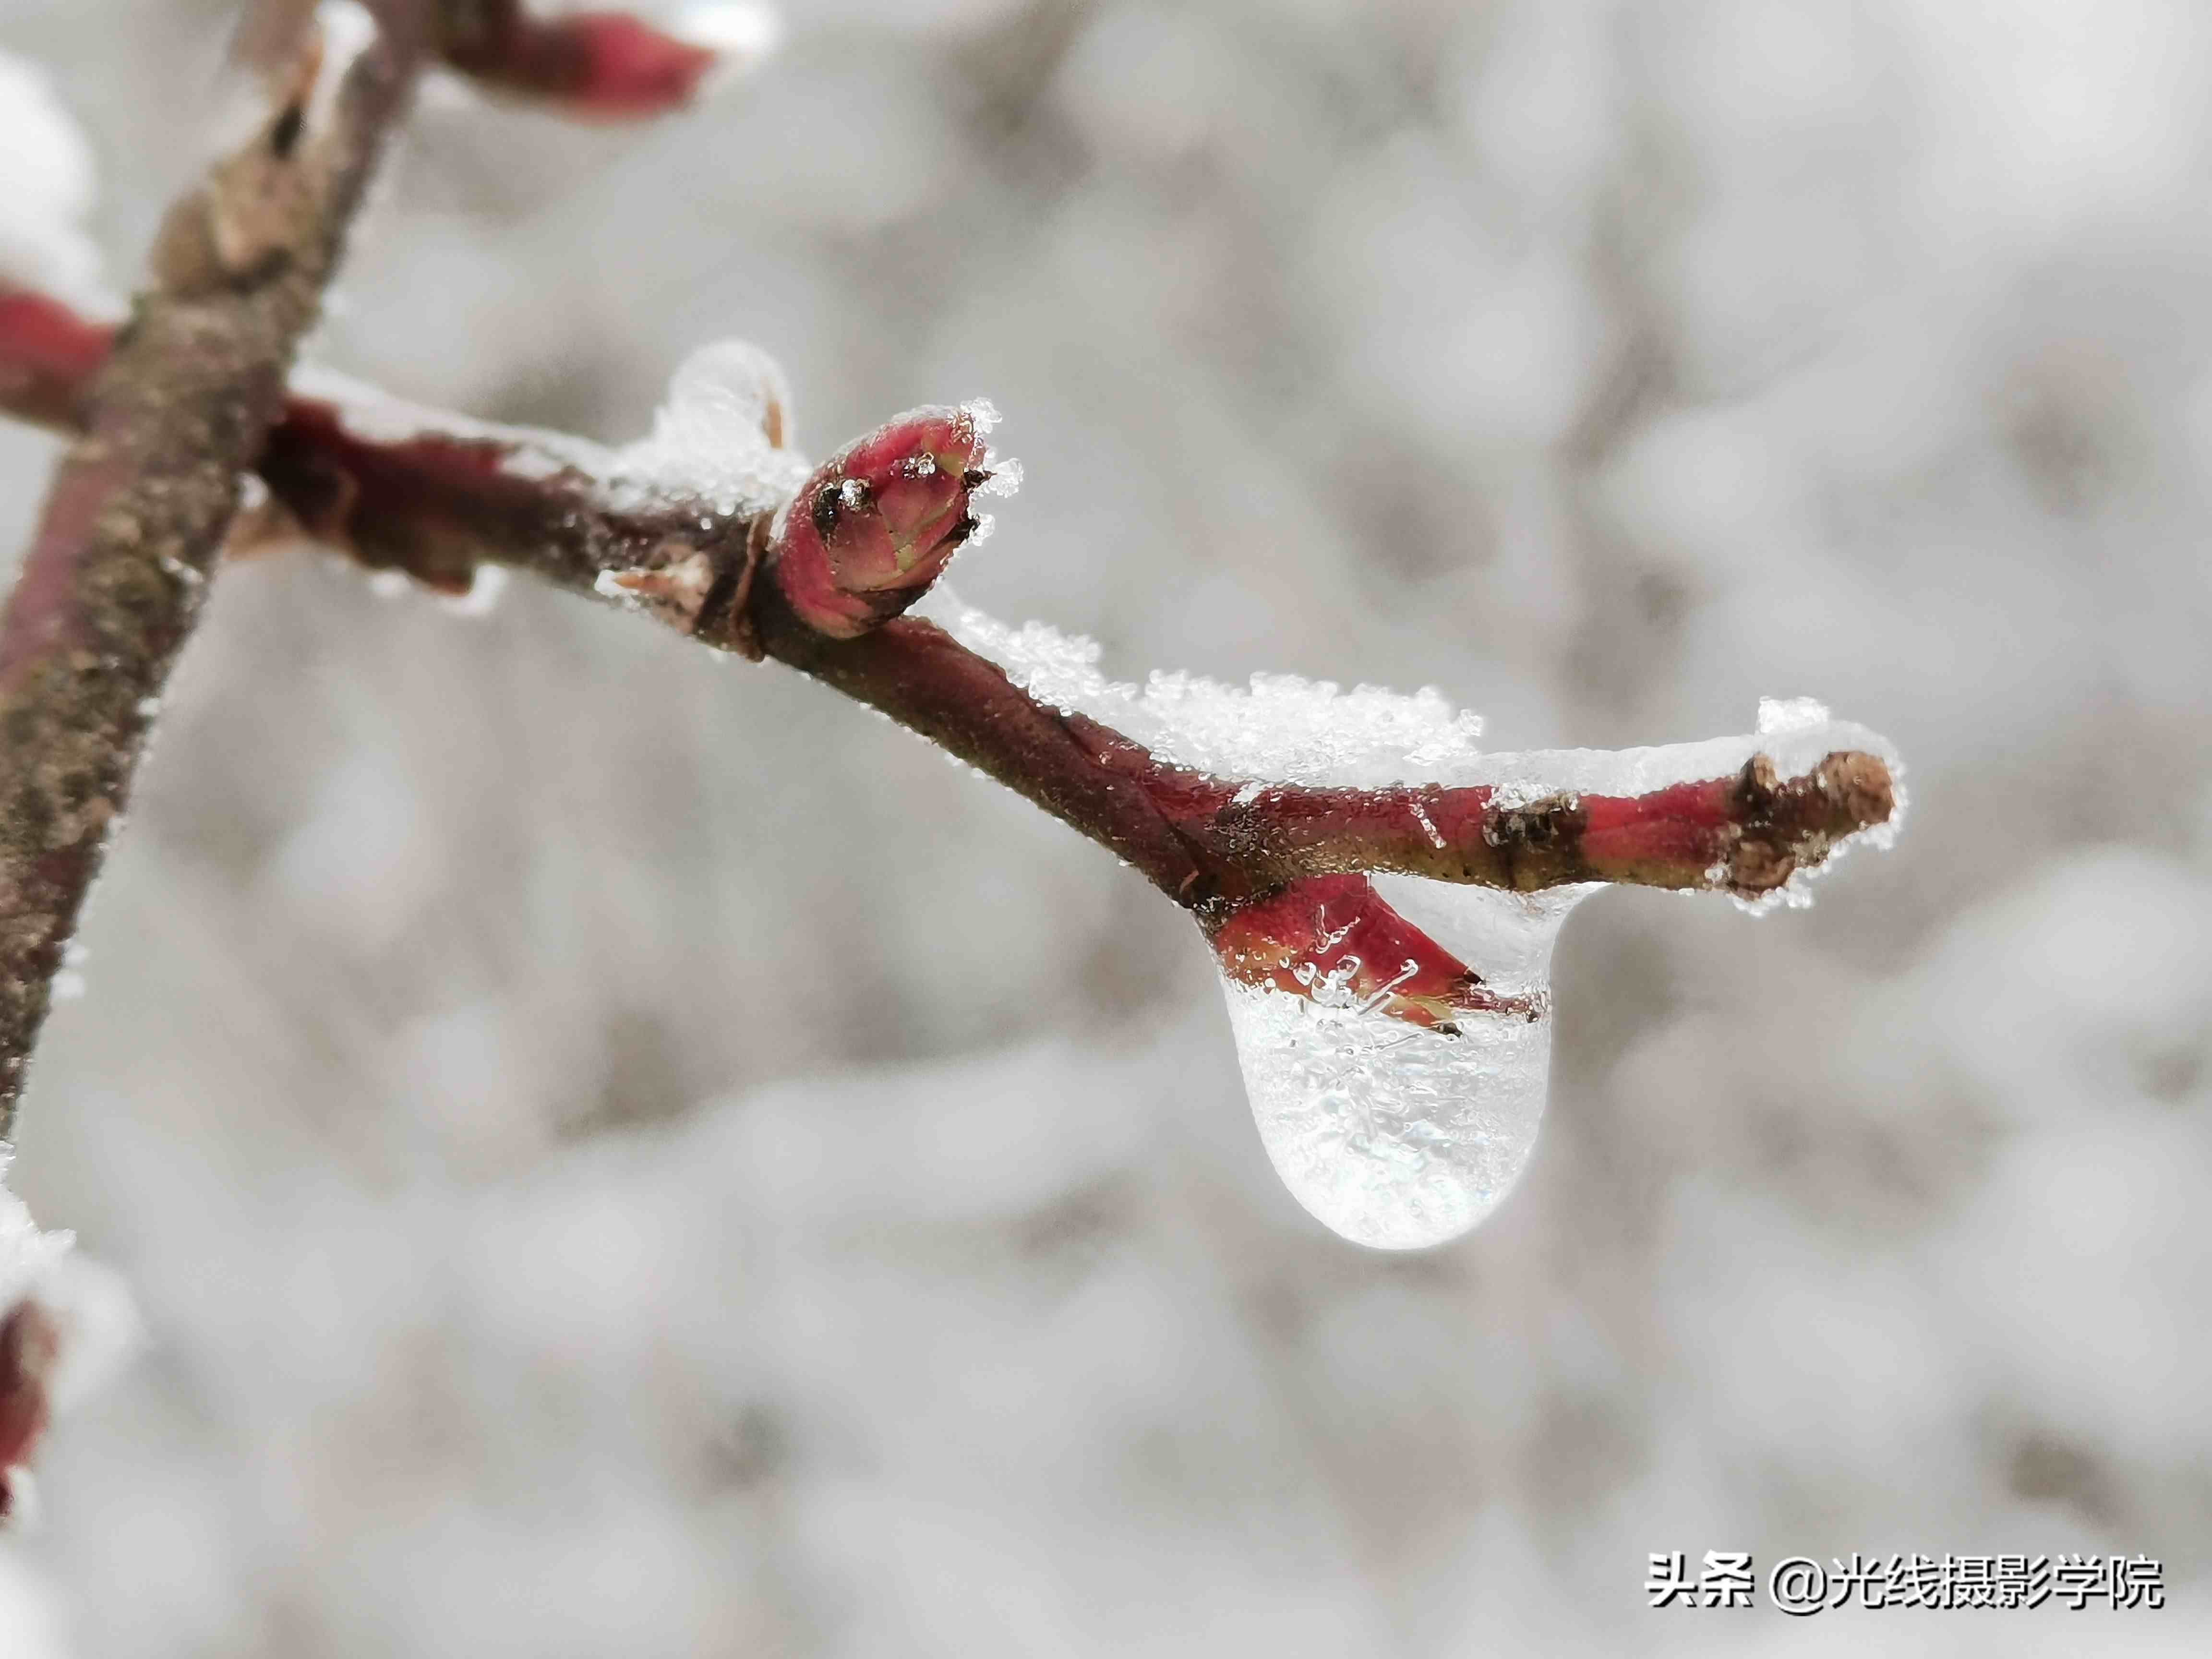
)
(139, 508)
(1274, 871)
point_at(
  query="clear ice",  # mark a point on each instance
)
(709, 442)
(1392, 1135)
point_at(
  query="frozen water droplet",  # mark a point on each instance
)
(1006, 477)
(1391, 1134)
(983, 412)
(1394, 1136)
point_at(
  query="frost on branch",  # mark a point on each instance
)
(1381, 895)
(63, 1325)
(719, 440)
(1394, 1030)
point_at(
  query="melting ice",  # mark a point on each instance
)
(1394, 1136)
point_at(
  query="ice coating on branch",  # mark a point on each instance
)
(718, 438)
(1280, 728)
(1394, 1135)
(720, 432)
(47, 187)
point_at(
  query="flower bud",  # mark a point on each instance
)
(873, 526)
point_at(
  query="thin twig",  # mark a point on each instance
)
(445, 497)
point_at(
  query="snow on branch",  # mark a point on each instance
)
(1380, 893)
(672, 523)
(64, 1323)
(675, 523)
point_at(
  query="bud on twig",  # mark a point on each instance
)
(874, 526)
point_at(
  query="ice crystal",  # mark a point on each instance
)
(1393, 1135)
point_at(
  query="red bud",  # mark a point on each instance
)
(874, 526)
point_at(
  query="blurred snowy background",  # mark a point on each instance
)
(624, 1153)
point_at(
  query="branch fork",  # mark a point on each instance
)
(1275, 872)
(174, 408)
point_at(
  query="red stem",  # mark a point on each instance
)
(436, 505)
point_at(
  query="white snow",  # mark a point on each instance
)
(1281, 728)
(1006, 477)
(709, 436)
(26, 1255)
(709, 442)
(48, 192)
(32, 1623)
(348, 30)
(1394, 1136)
(90, 1303)
(744, 36)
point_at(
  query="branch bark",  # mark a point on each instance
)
(437, 502)
(139, 508)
